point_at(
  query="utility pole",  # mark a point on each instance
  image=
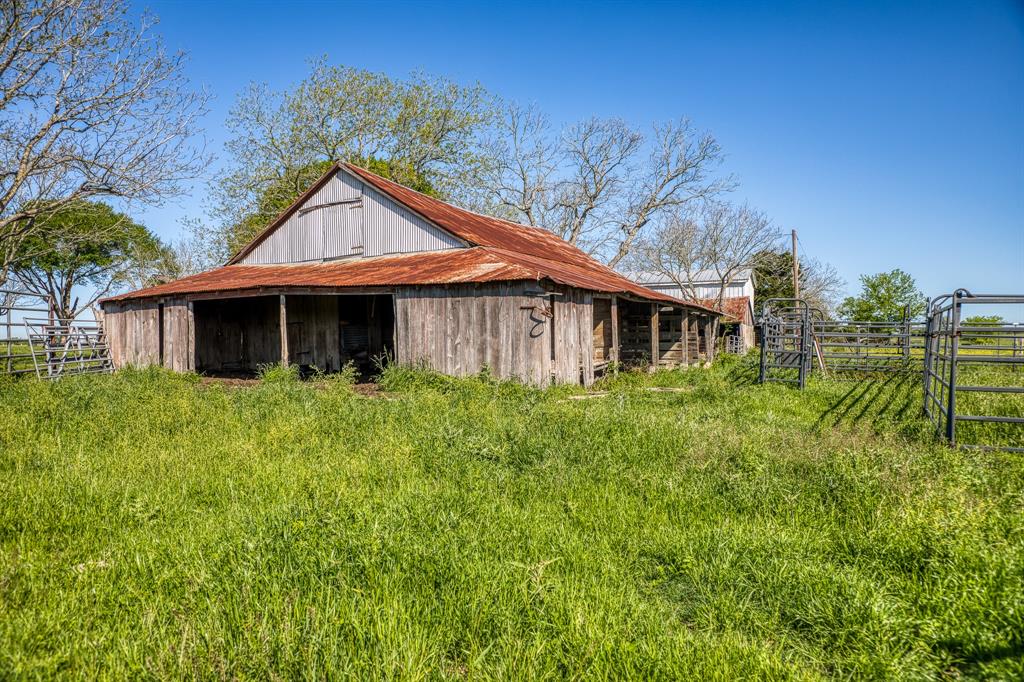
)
(796, 270)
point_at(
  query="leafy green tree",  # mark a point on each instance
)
(885, 297)
(983, 321)
(423, 132)
(84, 247)
(773, 275)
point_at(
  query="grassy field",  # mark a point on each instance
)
(153, 526)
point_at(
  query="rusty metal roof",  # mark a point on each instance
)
(501, 251)
(737, 308)
(458, 266)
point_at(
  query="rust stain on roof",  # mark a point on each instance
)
(460, 266)
(737, 308)
(500, 251)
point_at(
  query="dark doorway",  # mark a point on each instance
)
(366, 331)
(234, 337)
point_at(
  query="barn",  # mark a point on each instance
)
(360, 268)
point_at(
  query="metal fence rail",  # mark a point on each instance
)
(972, 374)
(34, 341)
(855, 346)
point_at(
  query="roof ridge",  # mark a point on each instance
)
(349, 165)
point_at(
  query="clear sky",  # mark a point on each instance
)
(889, 135)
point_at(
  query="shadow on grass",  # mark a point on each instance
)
(872, 399)
(743, 373)
(969, 657)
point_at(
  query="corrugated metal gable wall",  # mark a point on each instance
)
(734, 290)
(392, 228)
(353, 221)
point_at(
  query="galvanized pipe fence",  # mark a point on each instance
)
(973, 383)
(34, 340)
(973, 386)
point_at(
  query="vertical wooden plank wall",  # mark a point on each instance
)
(671, 339)
(573, 325)
(313, 332)
(458, 329)
(133, 333)
(178, 339)
(603, 333)
(133, 330)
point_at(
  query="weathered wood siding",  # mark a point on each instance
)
(133, 333)
(602, 330)
(672, 338)
(507, 327)
(136, 329)
(178, 338)
(573, 324)
(237, 335)
(313, 332)
(634, 332)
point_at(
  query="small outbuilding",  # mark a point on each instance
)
(360, 269)
(705, 288)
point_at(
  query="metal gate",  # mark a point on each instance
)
(973, 383)
(33, 340)
(858, 346)
(785, 341)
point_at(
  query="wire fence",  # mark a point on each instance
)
(34, 340)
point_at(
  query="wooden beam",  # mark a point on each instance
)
(275, 291)
(655, 349)
(191, 332)
(284, 331)
(615, 329)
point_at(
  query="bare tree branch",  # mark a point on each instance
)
(717, 238)
(601, 183)
(91, 106)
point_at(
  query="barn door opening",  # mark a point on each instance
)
(366, 331)
(235, 337)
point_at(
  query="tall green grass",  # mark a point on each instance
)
(152, 526)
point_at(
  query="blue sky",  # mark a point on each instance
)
(889, 135)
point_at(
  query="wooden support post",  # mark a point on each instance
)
(615, 330)
(284, 332)
(191, 349)
(685, 336)
(709, 338)
(655, 349)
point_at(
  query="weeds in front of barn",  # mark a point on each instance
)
(153, 525)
